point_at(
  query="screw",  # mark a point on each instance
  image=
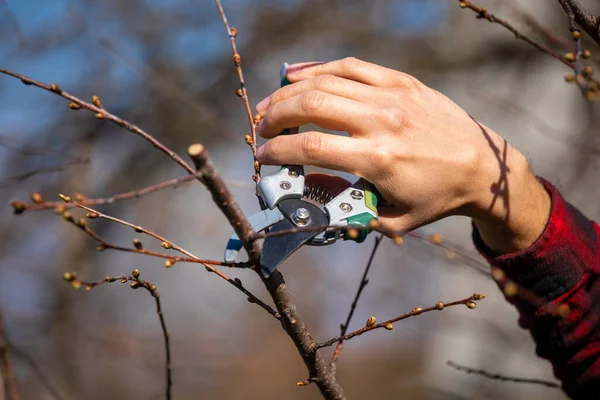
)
(293, 173)
(356, 194)
(301, 217)
(285, 185)
(345, 207)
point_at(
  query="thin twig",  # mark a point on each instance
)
(546, 32)
(106, 245)
(363, 283)
(371, 325)
(101, 113)
(237, 61)
(136, 283)
(503, 378)
(169, 245)
(20, 207)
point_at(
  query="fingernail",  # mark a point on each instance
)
(260, 153)
(263, 105)
(295, 69)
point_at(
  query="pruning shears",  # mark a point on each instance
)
(320, 216)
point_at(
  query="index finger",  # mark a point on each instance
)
(353, 69)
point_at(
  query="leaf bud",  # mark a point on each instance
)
(37, 198)
(96, 100)
(69, 276)
(66, 199)
(436, 238)
(18, 207)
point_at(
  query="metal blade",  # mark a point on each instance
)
(277, 248)
(259, 222)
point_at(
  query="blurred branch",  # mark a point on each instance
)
(363, 282)
(536, 25)
(482, 13)
(8, 379)
(242, 92)
(11, 180)
(136, 283)
(46, 382)
(31, 150)
(502, 378)
(372, 325)
(589, 23)
(13, 20)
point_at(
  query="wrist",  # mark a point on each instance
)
(512, 207)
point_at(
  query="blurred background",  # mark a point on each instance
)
(166, 66)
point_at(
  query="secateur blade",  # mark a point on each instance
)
(298, 214)
(259, 221)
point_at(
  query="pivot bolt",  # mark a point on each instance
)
(356, 194)
(301, 217)
(285, 185)
(293, 173)
(345, 207)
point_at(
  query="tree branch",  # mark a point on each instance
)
(371, 325)
(82, 223)
(40, 204)
(136, 283)
(242, 92)
(291, 319)
(589, 23)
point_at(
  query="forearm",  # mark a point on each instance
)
(561, 269)
(512, 213)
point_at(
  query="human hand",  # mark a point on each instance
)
(427, 157)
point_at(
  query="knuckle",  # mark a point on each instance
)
(408, 82)
(278, 95)
(313, 144)
(312, 101)
(382, 157)
(394, 117)
(325, 82)
(350, 63)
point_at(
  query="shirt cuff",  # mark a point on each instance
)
(557, 260)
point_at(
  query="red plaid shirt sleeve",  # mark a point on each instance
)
(561, 267)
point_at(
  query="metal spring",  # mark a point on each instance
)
(317, 193)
